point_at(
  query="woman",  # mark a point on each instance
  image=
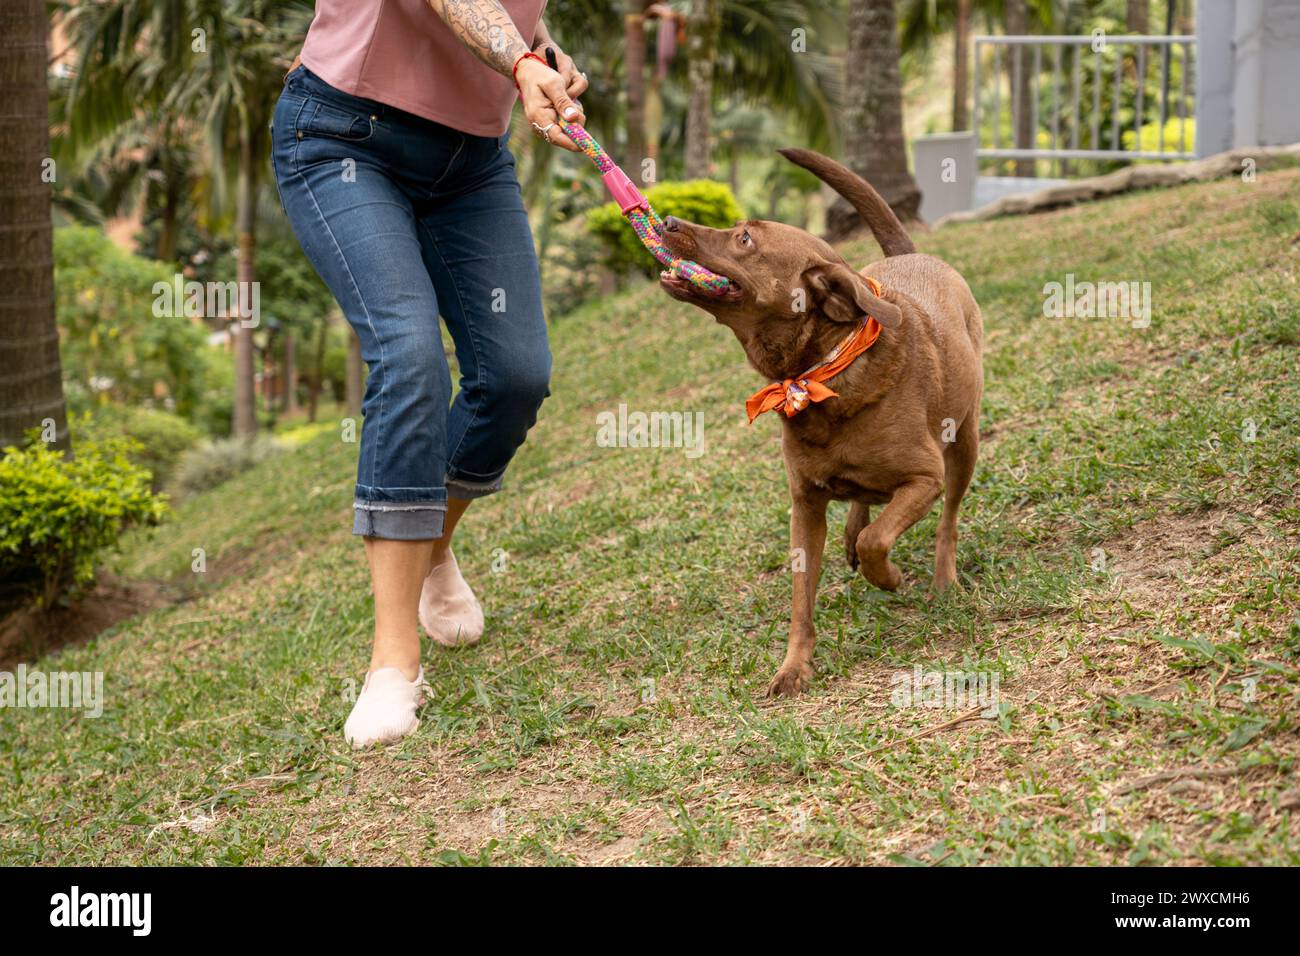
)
(389, 147)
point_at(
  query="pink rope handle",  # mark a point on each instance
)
(638, 211)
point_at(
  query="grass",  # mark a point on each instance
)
(1128, 567)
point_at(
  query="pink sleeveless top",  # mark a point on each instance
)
(399, 52)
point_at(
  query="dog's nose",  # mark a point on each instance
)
(672, 224)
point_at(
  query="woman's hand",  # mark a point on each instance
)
(547, 100)
(575, 82)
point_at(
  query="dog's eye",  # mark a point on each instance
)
(745, 240)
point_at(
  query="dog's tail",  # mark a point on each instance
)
(889, 232)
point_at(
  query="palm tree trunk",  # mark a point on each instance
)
(703, 28)
(961, 68)
(354, 379)
(31, 377)
(290, 371)
(634, 64)
(874, 146)
(318, 369)
(1021, 90)
(245, 423)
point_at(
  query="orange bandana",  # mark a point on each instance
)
(794, 394)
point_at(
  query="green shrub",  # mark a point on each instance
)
(114, 348)
(214, 411)
(1174, 135)
(217, 462)
(59, 515)
(335, 373)
(567, 277)
(160, 437)
(701, 201)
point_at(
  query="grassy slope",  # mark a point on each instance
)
(622, 571)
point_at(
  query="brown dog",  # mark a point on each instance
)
(903, 427)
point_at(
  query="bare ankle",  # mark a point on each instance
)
(406, 661)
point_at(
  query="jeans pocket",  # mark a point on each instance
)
(321, 119)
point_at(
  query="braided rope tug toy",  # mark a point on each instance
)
(636, 209)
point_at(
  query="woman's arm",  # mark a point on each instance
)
(486, 28)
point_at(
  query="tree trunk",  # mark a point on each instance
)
(1021, 90)
(703, 27)
(318, 369)
(354, 380)
(961, 68)
(245, 423)
(634, 64)
(173, 176)
(874, 146)
(31, 377)
(290, 372)
(167, 234)
(1138, 16)
(654, 116)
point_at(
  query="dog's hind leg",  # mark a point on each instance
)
(910, 503)
(959, 465)
(859, 518)
(807, 540)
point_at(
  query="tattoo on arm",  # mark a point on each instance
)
(486, 28)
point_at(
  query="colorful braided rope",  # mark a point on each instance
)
(646, 223)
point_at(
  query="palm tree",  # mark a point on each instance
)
(634, 64)
(702, 31)
(1019, 69)
(744, 52)
(229, 57)
(961, 66)
(873, 114)
(233, 86)
(110, 129)
(147, 161)
(753, 64)
(922, 21)
(31, 377)
(758, 66)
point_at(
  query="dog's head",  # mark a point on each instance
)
(790, 295)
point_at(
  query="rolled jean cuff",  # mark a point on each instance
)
(463, 490)
(399, 520)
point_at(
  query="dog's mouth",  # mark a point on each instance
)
(679, 287)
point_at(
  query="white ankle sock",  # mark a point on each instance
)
(449, 611)
(385, 709)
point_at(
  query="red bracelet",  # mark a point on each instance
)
(527, 56)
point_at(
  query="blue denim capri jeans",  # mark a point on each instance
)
(406, 219)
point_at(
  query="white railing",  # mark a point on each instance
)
(1104, 77)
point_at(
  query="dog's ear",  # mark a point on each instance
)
(843, 295)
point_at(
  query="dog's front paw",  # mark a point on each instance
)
(789, 681)
(881, 572)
